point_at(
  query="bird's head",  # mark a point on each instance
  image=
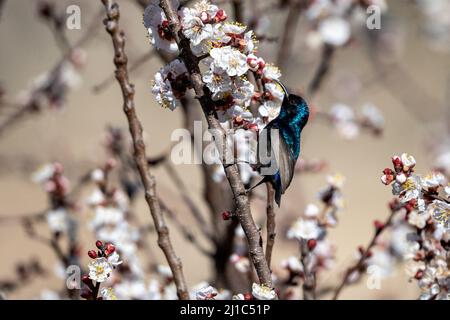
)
(294, 107)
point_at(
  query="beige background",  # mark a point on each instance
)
(73, 136)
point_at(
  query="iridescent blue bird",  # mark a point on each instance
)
(283, 151)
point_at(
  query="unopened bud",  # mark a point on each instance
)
(92, 254)
(110, 248)
(311, 244)
(99, 244)
(227, 215)
(378, 226)
(248, 296)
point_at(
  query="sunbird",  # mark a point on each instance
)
(284, 151)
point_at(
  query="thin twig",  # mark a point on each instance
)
(364, 256)
(148, 181)
(322, 69)
(2, 4)
(270, 222)
(309, 275)
(133, 67)
(231, 171)
(238, 10)
(289, 29)
(184, 230)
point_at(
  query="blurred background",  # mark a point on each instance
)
(402, 69)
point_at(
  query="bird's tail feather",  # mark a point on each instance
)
(278, 196)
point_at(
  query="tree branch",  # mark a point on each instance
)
(309, 276)
(270, 222)
(231, 171)
(120, 61)
(289, 29)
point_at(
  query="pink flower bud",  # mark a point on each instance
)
(227, 215)
(312, 244)
(220, 16)
(86, 280)
(397, 162)
(99, 244)
(111, 163)
(109, 249)
(204, 17)
(92, 254)
(261, 63)
(378, 226)
(58, 167)
(252, 62)
(387, 179)
(86, 293)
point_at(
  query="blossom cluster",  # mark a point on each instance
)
(103, 262)
(228, 51)
(348, 124)
(57, 186)
(110, 222)
(244, 87)
(51, 88)
(311, 230)
(331, 21)
(425, 202)
(437, 23)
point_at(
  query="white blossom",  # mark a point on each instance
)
(335, 31)
(293, 264)
(433, 180)
(156, 23)
(271, 72)
(218, 81)
(304, 229)
(44, 173)
(336, 181)
(114, 259)
(242, 264)
(372, 115)
(97, 175)
(275, 91)
(163, 92)
(57, 220)
(162, 87)
(108, 294)
(133, 290)
(194, 28)
(243, 93)
(418, 219)
(106, 216)
(262, 292)
(408, 161)
(270, 109)
(206, 293)
(99, 269)
(384, 262)
(231, 60)
(311, 211)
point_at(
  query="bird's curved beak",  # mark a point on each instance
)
(282, 87)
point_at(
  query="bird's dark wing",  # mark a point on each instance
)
(285, 162)
(282, 163)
